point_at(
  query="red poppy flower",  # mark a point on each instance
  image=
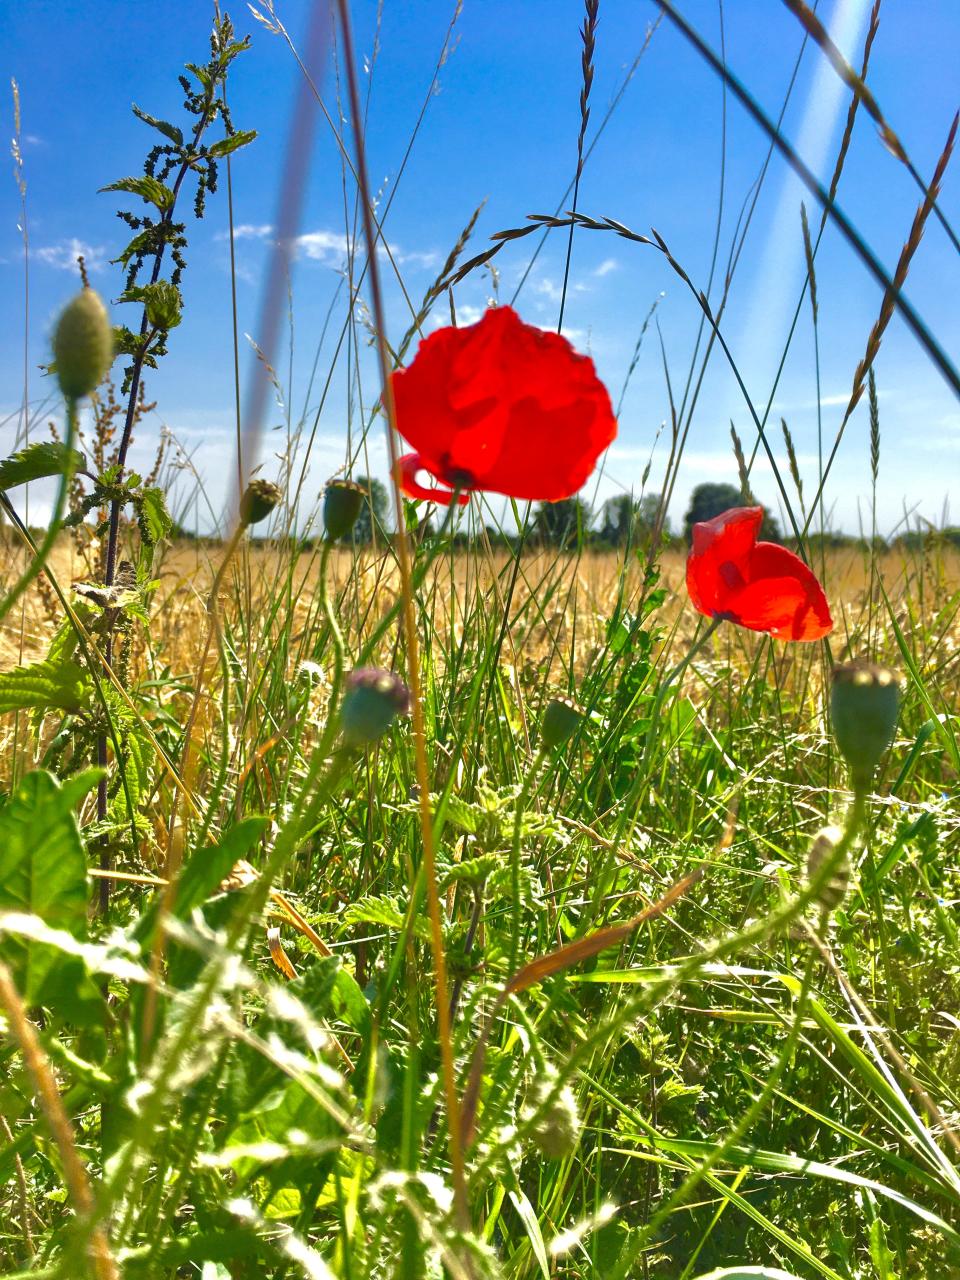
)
(758, 585)
(501, 406)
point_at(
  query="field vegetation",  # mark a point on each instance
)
(441, 893)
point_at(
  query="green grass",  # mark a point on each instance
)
(666, 1057)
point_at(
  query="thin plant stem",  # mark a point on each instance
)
(41, 1073)
(410, 632)
(527, 789)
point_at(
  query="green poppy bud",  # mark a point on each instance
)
(561, 719)
(863, 708)
(259, 499)
(82, 345)
(821, 850)
(342, 504)
(372, 701)
(555, 1130)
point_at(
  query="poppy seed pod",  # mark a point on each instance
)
(821, 850)
(561, 719)
(864, 704)
(372, 701)
(259, 498)
(342, 504)
(82, 344)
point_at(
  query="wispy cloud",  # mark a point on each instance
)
(331, 248)
(63, 255)
(247, 231)
(605, 267)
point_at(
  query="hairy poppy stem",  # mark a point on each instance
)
(410, 630)
(527, 789)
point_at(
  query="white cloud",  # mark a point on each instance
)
(328, 247)
(331, 248)
(63, 255)
(606, 266)
(247, 231)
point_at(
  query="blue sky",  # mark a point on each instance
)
(502, 128)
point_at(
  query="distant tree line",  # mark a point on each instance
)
(621, 522)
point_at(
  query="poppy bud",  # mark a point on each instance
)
(342, 504)
(561, 719)
(821, 850)
(556, 1130)
(372, 701)
(82, 345)
(259, 499)
(863, 708)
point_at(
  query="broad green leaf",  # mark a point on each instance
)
(149, 189)
(43, 872)
(60, 686)
(168, 130)
(227, 145)
(46, 458)
(155, 520)
(205, 868)
(163, 302)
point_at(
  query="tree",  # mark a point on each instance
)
(625, 521)
(562, 524)
(709, 500)
(373, 513)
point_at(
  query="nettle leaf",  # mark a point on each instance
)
(226, 146)
(168, 130)
(154, 518)
(162, 300)
(46, 458)
(45, 686)
(43, 872)
(149, 189)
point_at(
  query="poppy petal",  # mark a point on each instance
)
(758, 585)
(505, 407)
(407, 468)
(719, 560)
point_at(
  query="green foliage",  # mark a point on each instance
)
(43, 873)
(373, 512)
(563, 524)
(709, 500)
(52, 685)
(36, 461)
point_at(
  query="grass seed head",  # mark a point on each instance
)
(555, 1131)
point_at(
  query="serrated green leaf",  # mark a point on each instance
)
(149, 189)
(46, 458)
(61, 686)
(226, 146)
(154, 518)
(43, 872)
(168, 130)
(162, 301)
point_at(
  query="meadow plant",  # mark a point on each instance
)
(428, 907)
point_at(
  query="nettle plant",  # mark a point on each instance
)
(69, 681)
